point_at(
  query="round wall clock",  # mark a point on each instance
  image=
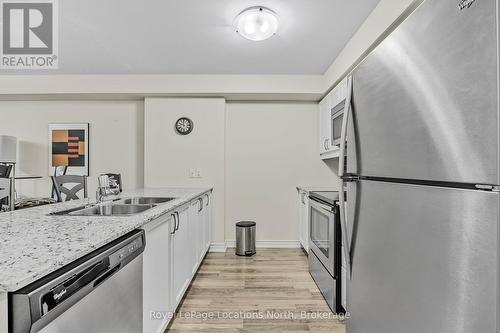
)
(183, 126)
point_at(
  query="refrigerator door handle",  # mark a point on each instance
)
(345, 236)
(343, 133)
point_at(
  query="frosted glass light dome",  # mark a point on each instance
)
(257, 23)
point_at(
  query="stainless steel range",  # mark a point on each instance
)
(325, 243)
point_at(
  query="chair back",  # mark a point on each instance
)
(59, 170)
(4, 192)
(5, 170)
(61, 186)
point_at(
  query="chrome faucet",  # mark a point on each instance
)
(107, 187)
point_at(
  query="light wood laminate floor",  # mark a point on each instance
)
(269, 292)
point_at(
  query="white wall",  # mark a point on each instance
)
(253, 154)
(169, 156)
(271, 148)
(381, 19)
(115, 143)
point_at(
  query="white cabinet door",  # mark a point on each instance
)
(325, 120)
(196, 231)
(336, 96)
(323, 130)
(207, 222)
(156, 275)
(304, 220)
(182, 257)
(190, 239)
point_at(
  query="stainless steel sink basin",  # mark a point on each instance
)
(112, 210)
(145, 200)
(129, 206)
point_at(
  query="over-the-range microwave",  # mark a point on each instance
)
(337, 118)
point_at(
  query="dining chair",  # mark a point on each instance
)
(5, 170)
(62, 185)
(58, 171)
(4, 192)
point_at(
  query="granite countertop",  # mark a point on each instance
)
(316, 189)
(34, 244)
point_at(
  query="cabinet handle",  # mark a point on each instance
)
(208, 199)
(175, 224)
(178, 222)
(200, 202)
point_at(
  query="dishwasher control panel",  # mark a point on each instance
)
(126, 251)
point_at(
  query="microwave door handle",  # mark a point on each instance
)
(343, 133)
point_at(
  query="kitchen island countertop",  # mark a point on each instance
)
(34, 243)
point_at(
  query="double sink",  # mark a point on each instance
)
(129, 206)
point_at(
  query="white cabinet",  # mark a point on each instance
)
(156, 275)
(176, 244)
(200, 213)
(181, 255)
(304, 220)
(207, 222)
(196, 231)
(189, 244)
(338, 94)
(324, 126)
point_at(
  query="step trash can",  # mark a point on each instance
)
(245, 238)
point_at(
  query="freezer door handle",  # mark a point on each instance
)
(345, 119)
(345, 236)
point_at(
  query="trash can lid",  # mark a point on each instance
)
(246, 224)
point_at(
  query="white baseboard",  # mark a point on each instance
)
(218, 247)
(271, 244)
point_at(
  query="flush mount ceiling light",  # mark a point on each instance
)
(257, 23)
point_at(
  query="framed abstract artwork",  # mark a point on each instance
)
(69, 146)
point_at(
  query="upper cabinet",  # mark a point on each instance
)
(323, 124)
(330, 117)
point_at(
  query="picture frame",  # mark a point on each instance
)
(69, 146)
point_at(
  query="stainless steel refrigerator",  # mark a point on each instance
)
(422, 175)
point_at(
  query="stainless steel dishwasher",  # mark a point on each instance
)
(100, 293)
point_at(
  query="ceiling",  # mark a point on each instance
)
(198, 37)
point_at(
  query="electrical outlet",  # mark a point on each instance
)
(195, 173)
(192, 173)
